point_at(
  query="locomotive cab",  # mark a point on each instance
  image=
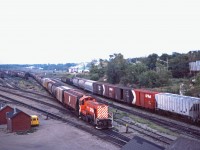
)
(96, 113)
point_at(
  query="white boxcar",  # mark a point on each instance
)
(88, 85)
(184, 105)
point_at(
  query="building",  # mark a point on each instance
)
(183, 143)
(194, 66)
(73, 69)
(3, 110)
(17, 120)
(138, 143)
(80, 68)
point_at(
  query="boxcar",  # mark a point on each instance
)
(49, 86)
(53, 88)
(71, 99)
(144, 98)
(109, 90)
(98, 88)
(183, 105)
(124, 94)
(60, 92)
(67, 80)
(45, 82)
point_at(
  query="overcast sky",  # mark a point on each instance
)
(61, 31)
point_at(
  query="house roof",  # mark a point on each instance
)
(3, 106)
(138, 143)
(183, 143)
(14, 113)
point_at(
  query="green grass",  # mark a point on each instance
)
(120, 115)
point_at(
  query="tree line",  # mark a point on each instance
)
(152, 71)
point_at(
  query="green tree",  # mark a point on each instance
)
(149, 79)
(116, 68)
(94, 72)
(133, 72)
(150, 61)
(179, 65)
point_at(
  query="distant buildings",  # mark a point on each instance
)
(79, 68)
(194, 66)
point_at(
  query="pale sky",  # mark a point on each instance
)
(62, 31)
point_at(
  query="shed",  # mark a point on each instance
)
(138, 143)
(17, 120)
(183, 143)
(3, 110)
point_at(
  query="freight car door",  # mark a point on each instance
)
(142, 99)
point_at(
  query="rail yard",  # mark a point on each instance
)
(120, 123)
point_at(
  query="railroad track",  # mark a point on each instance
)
(26, 91)
(64, 111)
(5, 83)
(153, 135)
(11, 83)
(178, 128)
(108, 135)
(175, 127)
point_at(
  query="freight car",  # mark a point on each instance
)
(178, 104)
(183, 105)
(85, 107)
(2, 73)
(21, 74)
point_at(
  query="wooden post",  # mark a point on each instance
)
(126, 128)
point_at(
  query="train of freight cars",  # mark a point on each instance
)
(185, 106)
(85, 107)
(14, 73)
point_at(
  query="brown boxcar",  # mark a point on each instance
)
(3, 111)
(60, 93)
(17, 120)
(98, 88)
(144, 98)
(109, 90)
(49, 86)
(53, 88)
(71, 99)
(124, 94)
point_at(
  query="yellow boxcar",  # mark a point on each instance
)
(34, 120)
